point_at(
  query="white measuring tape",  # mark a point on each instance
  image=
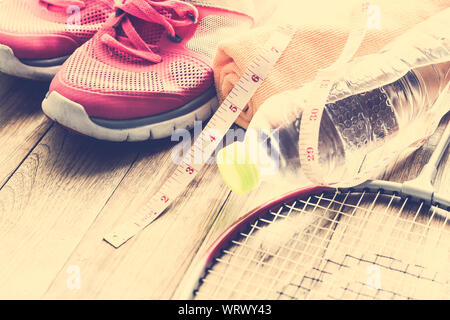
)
(321, 86)
(209, 139)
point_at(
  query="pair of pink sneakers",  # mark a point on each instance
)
(128, 70)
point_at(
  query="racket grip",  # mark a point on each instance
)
(422, 186)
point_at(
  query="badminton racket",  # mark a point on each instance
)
(380, 240)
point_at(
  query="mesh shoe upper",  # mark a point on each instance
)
(35, 29)
(114, 84)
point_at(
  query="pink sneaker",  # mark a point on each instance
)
(147, 71)
(37, 36)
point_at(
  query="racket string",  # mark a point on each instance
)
(275, 216)
(321, 220)
(265, 253)
(224, 276)
(249, 281)
(369, 242)
(368, 212)
(353, 216)
(327, 236)
(422, 238)
(340, 225)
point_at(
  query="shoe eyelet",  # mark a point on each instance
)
(176, 38)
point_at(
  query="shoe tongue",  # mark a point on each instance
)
(150, 32)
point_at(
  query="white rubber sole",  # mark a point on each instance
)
(73, 116)
(9, 64)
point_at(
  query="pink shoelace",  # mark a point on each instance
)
(149, 11)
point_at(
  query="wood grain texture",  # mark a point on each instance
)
(22, 123)
(150, 265)
(48, 205)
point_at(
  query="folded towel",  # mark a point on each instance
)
(322, 29)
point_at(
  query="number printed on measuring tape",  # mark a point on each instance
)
(221, 121)
(313, 112)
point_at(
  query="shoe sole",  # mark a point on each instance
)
(42, 70)
(74, 117)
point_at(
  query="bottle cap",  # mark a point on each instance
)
(237, 169)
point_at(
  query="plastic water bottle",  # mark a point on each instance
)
(350, 129)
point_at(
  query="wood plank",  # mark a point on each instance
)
(150, 265)
(50, 202)
(22, 123)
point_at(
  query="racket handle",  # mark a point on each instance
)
(422, 186)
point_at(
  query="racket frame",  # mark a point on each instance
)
(235, 229)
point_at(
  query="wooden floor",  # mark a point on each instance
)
(60, 193)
